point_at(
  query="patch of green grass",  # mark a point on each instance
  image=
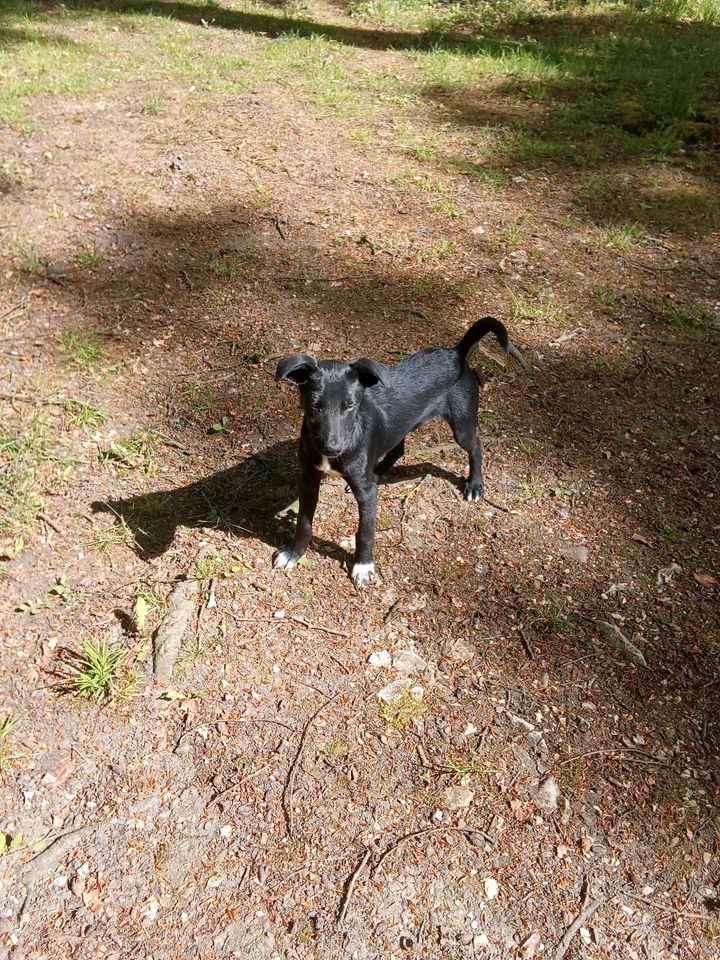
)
(556, 614)
(84, 349)
(604, 297)
(482, 172)
(512, 236)
(131, 453)
(209, 566)
(464, 291)
(434, 252)
(29, 464)
(231, 267)
(530, 447)
(97, 672)
(696, 316)
(668, 529)
(28, 259)
(117, 534)
(153, 106)
(531, 490)
(403, 712)
(448, 207)
(81, 414)
(622, 236)
(467, 765)
(541, 308)
(8, 723)
(91, 259)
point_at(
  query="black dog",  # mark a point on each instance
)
(357, 416)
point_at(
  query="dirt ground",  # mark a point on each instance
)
(266, 802)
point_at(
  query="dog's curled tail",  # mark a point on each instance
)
(481, 328)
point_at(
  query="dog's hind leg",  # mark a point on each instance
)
(390, 459)
(309, 492)
(462, 417)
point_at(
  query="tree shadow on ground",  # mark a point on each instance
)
(632, 432)
(269, 24)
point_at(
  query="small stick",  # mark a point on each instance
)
(595, 753)
(294, 279)
(526, 643)
(351, 886)
(587, 911)
(414, 311)
(665, 909)
(278, 621)
(48, 521)
(497, 506)
(318, 626)
(465, 831)
(290, 782)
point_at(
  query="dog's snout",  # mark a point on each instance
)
(332, 451)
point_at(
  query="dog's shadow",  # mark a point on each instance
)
(253, 499)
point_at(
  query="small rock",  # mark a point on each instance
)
(665, 574)
(458, 798)
(546, 795)
(381, 658)
(397, 690)
(519, 179)
(492, 888)
(530, 945)
(616, 638)
(407, 661)
(575, 552)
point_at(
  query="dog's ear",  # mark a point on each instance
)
(369, 372)
(297, 368)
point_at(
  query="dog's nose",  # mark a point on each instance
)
(332, 451)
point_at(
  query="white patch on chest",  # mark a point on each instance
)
(324, 467)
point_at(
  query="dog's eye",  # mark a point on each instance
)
(316, 405)
(349, 406)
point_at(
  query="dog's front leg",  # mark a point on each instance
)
(309, 491)
(366, 494)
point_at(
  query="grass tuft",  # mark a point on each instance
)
(96, 672)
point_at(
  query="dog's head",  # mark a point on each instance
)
(331, 392)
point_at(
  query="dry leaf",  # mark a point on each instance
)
(706, 580)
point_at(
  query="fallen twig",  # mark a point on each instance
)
(289, 278)
(587, 911)
(526, 644)
(318, 626)
(415, 312)
(290, 781)
(611, 750)
(221, 794)
(465, 831)
(48, 521)
(345, 904)
(688, 914)
(496, 506)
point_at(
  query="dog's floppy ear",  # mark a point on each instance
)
(297, 368)
(369, 372)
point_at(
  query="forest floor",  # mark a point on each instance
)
(189, 192)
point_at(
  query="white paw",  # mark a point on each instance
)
(362, 574)
(284, 560)
(473, 495)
